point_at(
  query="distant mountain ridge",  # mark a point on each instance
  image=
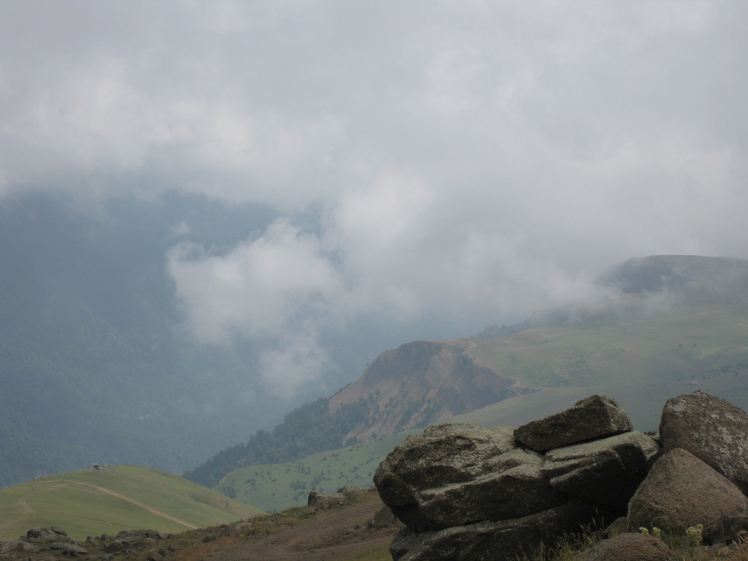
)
(409, 387)
(662, 339)
(657, 273)
(422, 382)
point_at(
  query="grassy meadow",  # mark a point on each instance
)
(92, 502)
(641, 359)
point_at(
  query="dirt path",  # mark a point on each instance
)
(328, 535)
(136, 503)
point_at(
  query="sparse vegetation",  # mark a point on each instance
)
(688, 546)
(569, 548)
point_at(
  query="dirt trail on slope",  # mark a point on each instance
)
(136, 503)
(328, 535)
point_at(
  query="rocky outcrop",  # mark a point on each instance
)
(465, 488)
(682, 491)
(591, 418)
(465, 492)
(587, 470)
(420, 383)
(712, 429)
(505, 539)
(43, 539)
(462, 473)
(321, 501)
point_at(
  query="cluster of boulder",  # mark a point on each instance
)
(43, 539)
(465, 492)
(55, 539)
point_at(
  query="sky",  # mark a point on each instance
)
(433, 166)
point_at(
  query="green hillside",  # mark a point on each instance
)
(638, 357)
(92, 502)
(641, 353)
(276, 487)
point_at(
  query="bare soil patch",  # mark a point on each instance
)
(339, 533)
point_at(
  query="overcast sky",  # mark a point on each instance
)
(430, 163)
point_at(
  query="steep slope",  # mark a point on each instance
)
(408, 387)
(420, 383)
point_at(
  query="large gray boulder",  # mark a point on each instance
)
(47, 535)
(631, 547)
(440, 458)
(682, 491)
(712, 429)
(511, 493)
(593, 417)
(499, 541)
(606, 471)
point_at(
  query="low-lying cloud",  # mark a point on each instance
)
(439, 166)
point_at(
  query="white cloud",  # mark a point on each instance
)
(260, 289)
(450, 162)
(294, 361)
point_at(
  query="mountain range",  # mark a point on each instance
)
(96, 369)
(669, 325)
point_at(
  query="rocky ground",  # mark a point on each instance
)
(329, 530)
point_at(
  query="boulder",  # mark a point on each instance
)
(682, 491)
(606, 471)
(730, 528)
(321, 501)
(349, 490)
(383, 518)
(618, 526)
(499, 541)
(73, 550)
(590, 418)
(483, 477)
(631, 547)
(513, 493)
(710, 428)
(17, 545)
(115, 547)
(306, 512)
(441, 456)
(47, 535)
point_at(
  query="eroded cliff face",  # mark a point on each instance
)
(420, 383)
